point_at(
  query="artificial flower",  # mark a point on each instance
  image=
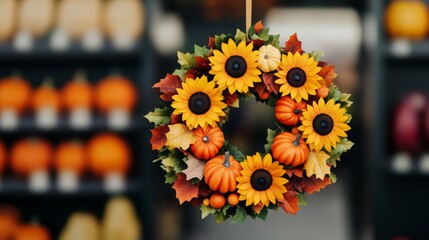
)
(269, 58)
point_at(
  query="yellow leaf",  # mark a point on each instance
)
(316, 164)
(179, 136)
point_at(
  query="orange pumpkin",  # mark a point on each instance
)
(46, 96)
(290, 149)
(2, 157)
(220, 173)
(14, 94)
(9, 220)
(288, 111)
(108, 153)
(31, 232)
(70, 156)
(407, 19)
(209, 141)
(78, 93)
(29, 155)
(115, 92)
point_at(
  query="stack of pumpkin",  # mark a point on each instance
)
(106, 155)
(406, 19)
(12, 229)
(113, 96)
(72, 20)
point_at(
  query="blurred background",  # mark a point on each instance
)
(75, 82)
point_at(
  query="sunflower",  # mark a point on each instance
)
(324, 124)
(235, 67)
(261, 181)
(298, 76)
(199, 102)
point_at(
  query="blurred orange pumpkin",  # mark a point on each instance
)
(108, 153)
(31, 232)
(29, 155)
(46, 96)
(2, 157)
(78, 93)
(9, 220)
(14, 93)
(70, 156)
(407, 19)
(115, 92)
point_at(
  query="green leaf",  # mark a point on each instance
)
(222, 39)
(170, 177)
(334, 93)
(179, 166)
(181, 73)
(205, 211)
(239, 216)
(201, 51)
(219, 217)
(333, 177)
(317, 54)
(344, 99)
(274, 40)
(271, 134)
(225, 209)
(263, 214)
(186, 60)
(168, 162)
(302, 199)
(240, 36)
(343, 146)
(160, 116)
(233, 150)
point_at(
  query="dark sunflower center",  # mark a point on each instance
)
(261, 180)
(236, 66)
(199, 103)
(323, 124)
(296, 77)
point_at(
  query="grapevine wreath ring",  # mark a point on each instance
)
(312, 117)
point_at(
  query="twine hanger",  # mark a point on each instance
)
(248, 14)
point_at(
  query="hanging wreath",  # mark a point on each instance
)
(311, 118)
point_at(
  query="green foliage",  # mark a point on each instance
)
(233, 150)
(239, 36)
(205, 211)
(201, 51)
(271, 134)
(239, 216)
(317, 54)
(160, 116)
(186, 60)
(343, 146)
(302, 199)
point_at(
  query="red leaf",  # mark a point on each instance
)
(158, 139)
(191, 73)
(294, 171)
(175, 119)
(202, 64)
(290, 203)
(258, 27)
(314, 184)
(258, 43)
(229, 98)
(327, 73)
(294, 45)
(296, 184)
(185, 191)
(261, 90)
(204, 190)
(268, 79)
(212, 43)
(168, 86)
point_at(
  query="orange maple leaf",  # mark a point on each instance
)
(168, 86)
(158, 139)
(268, 79)
(314, 184)
(258, 27)
(290, 202)
(185, 191)
(294, 171)
(327, 73)
(294, 45)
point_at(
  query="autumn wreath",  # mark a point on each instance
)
(311, 118)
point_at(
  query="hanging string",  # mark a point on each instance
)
(248, 14)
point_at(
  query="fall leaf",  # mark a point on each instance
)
(195, 168)
(294, 45)
(294, 171)
(158, 139)
(258, 208)
(315, 185)
(175, 119)
(327, 73)
(261, 90)
(290, 202)
(231, 99)
(168, 86)
(179, 136)
(159, 116)
(204, 190)
(212, 43)
(268, 79)
(185, 191)
(205, 211)
(258, 27)
(316, 164)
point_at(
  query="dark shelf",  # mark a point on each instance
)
(88, 188)
(406, 49)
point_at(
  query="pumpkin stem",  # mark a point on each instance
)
(297, 111)
(227, 159)
(296, 141)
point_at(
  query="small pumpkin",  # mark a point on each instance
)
(78, 93)
(290, 149)
(70, 156)
(46, 96)
(115, 92)
(209, 141)
(220, 173)
(407, 19)
(288, 111)
(31, 232)
(29, 155)
(2, 157)
(9, 220)
(108, 153)
(14, 94)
